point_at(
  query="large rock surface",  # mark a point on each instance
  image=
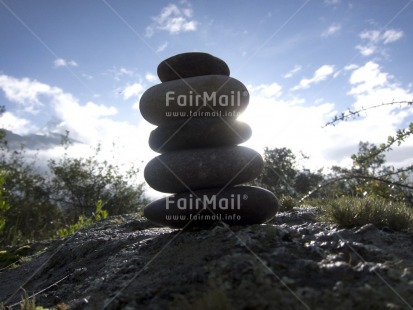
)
(293, 262)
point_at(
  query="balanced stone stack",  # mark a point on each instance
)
(195, 108)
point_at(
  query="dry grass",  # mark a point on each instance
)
(352, 212)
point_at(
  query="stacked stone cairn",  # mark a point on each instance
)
(195, 108)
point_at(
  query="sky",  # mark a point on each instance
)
(82, 66)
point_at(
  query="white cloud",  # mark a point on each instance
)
(89, 123)
(280, 122)
(319, 75)
(292, 72)
(162, 47)
(277, 123)
(333, 29)
(119, 73)
(374, 39)
(371, 87)
(391, 35)
(370, 35)
(79, 119)
(332, 2)
(87, 76)
(135, 89)
(267, 91)
(367, 78)
(173, 19)
(366, 50)
(60, 62)
(25, 92)
(20, 126)
(152, 78)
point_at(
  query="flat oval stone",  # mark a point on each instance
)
(198, 132)
(191, 64)
(202, 96)
(239, 205)
(180, 171)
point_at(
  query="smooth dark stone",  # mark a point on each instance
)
(180, 171)
(191, 64)
(198, 132)
(239, 205)
(202, 96)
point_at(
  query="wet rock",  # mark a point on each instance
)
(124, 262)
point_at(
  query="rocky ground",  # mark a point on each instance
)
(293, 262)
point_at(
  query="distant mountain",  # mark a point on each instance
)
(34, 141)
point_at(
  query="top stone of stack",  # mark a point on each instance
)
(190, 65)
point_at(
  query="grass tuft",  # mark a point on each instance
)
(353, 212)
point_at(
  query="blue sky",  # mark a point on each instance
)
(83, 65)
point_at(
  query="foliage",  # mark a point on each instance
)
(281, 176)
(369, 176)
(84, 221)
(9, 257)
(28, 303)
(4, 205)
(35, 205)
(31, 215)
(286, 203)
(278, 170)
(350, 114)
(352, 212)
(78, 183)
(2, 132)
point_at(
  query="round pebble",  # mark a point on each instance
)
(239, 205)
(180, 171)
(191, 64)
(198, 132)
(202, 96)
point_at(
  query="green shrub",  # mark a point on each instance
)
(84, 221)
(34, 205)
(4, 206)
(286, 203)
(352, 212)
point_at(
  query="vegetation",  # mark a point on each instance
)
(352, 211)
(84, 221)
(369, 175)
(368, 192)
(287, 203)
(73, 193)
(29, 303)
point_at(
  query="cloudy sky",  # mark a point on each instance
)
(83, 65)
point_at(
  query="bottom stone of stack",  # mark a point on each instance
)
(238, 205)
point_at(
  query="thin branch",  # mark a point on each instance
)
(354, 114)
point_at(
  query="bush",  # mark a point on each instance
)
(78, 184)
(286, 203)
(84, 221)
(35, 205)
(352, 212)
